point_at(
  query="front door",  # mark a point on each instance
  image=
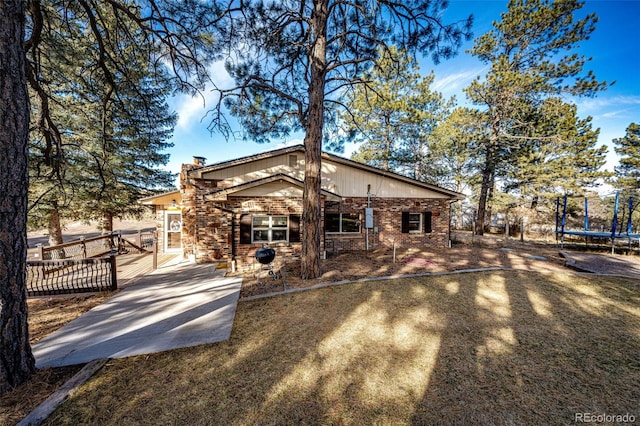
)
(173, 232)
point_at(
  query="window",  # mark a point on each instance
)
(415, 223)
(342, 222)
(269, 228)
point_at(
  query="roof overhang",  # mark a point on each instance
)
(164, 199)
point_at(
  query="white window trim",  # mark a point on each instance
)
(340, 227)
(270, 229)
(420, 229)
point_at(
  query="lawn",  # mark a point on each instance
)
(484, 348)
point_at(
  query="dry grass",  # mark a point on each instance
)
(484, 348)
(45, 316)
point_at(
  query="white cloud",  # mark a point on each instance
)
(193, 109)
(453, 83)
(604, 102)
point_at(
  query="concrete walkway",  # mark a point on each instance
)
(176, 306)
(603, 264)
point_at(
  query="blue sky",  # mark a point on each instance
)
(614, 48)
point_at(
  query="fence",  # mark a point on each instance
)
(65, 276)
(143, 240)
(82, 249)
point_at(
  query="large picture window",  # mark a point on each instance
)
(265, 229)
(342, 222)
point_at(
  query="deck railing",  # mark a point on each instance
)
(81, 249)
(80, 266)
(67, 276)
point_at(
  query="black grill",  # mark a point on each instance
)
(265, 255)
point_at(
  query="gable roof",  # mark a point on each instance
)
(199, 172)
(280, 177)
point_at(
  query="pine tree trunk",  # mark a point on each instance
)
(485, 189)
(312, 203)
(17, 363)
(55, 228)
(107, 223)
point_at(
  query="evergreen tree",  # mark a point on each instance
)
(180, 31)
(111, 118)
(628, 170)
(455, 147)
(394, 116)
(293, 61)
(17, 363)
(566, 163)
(529, 53)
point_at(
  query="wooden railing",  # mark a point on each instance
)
(82, 249)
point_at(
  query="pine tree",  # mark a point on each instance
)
(107, 101)
(394, 117)
(566, 163)
(180, 30)
(628, 170)
(530, 58)
(293, 61)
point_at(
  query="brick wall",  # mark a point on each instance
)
(211, 229)
(387, 222)
(244, 253)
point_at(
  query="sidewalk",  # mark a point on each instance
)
(179, 305)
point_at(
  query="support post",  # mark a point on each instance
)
(614, 223)
(84, 247)
(155, 252)
(114, 272)
(564, 221)
(557, 217)
(586, 221)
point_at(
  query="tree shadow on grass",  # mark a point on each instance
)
(536, 349)
(489, 348)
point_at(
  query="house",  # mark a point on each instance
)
(225, 211)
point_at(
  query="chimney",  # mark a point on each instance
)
(199, 161)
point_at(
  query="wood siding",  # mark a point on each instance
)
(340, 179)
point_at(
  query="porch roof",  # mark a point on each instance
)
(164, 199)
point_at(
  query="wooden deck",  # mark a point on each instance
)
(132, 266)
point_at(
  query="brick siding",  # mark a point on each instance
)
(211, 229)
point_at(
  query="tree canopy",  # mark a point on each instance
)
(179, 31)
(111, 121)
(628, 170)
(394, 116)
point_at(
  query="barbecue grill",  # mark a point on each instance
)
(265, 256)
